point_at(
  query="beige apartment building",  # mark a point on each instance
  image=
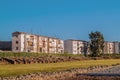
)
(55, 45)
(108, 47)
(76, 46)
(24, 42)
(111, 47)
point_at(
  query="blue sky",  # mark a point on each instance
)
(65, 19)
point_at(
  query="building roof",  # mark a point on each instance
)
(108, 41)
(17, 32)
(76, 40)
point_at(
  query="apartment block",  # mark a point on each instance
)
(24, 42)
(108, 47)
(116, 47)
(76, 46)
(111, 47)
(55, 45)
(42, 44)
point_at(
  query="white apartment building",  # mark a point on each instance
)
(109, 47)
(75, 46)
(24, 42)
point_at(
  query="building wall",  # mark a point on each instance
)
(43, 44)
(75, 46)
(80, 47)
(68, 46)
(116, 47)
(51, 45)
(22, 42)
(16, 45)
(55, 45)
(60, 46)
(109, 47)
(31, 43)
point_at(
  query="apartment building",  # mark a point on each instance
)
(111, 47)
(116, 47)
(108, 47)
(76, 46)
(42, 44)
(24, 42)
(55, 45)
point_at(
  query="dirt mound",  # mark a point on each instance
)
(45, 59)
(49, 59)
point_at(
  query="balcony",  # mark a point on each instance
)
(30, 43)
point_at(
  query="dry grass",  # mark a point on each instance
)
(13, 70)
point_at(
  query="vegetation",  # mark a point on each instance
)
(110, 56)
(25, 54)
(96, 43)
(13, 70)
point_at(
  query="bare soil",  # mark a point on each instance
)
(83, 77)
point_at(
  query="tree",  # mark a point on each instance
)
(96, 43)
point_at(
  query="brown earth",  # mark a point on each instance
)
(82, 77)
(49, 59)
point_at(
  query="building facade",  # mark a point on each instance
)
(111, 47)
(76, 46)
(24, 42)
(116, 47)
(55, 45)
(108, 47)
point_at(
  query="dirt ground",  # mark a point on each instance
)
(95, 78)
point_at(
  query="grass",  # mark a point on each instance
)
(19, 69)
(25, 54)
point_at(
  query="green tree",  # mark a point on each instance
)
(96, 43)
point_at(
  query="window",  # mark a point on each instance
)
(30, 43)
(16, 36)
(27, 38)
(40, 49)
(16, 48)
(16, 42)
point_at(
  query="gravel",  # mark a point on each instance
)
(111, 70)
